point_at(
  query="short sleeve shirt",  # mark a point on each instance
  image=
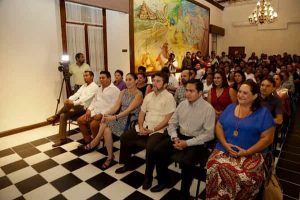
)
(156, 107)
(249, 128)
(78, 71)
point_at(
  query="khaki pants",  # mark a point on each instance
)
(65, 114)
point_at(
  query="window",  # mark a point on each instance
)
(85, 33)
(214, 42)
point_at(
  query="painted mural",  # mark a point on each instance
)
(168, 26)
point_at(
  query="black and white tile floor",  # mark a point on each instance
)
(32, 169)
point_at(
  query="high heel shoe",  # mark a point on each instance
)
(88, 147)
(108, 163)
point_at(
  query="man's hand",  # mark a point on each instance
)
(98, 117)
(179, 144)
(88, 115)
(145, 131)
(69, 103)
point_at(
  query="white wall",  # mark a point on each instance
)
(30, 49)
(117, 39)
(278, 37)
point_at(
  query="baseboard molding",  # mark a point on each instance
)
(23, 128)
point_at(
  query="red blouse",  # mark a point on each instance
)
(221, 102)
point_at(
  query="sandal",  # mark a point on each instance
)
(108, 163)
(88, 147)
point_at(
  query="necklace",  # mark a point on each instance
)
(237, 122)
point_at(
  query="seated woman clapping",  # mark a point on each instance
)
(244, 130)
(128, 103)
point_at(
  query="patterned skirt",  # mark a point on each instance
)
(234, 178)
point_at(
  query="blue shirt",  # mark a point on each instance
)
(249, 128)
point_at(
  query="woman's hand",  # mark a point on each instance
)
(230, 149)
(242, 152)
(108, 118)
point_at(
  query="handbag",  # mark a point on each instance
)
(272, 187)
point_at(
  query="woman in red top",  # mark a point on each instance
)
(221, 95)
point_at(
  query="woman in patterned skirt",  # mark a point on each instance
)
(128, 103)
(244, 131)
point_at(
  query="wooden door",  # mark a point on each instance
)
(236, 50)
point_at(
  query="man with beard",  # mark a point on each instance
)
(77, 70)
(180, 91)
(156, 110)
(75, 105)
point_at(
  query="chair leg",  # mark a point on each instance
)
(198, 188)
(69, 126)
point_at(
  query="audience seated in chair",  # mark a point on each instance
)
(270, 100)
(180, 91)
(103, 100)
(220, 95)
(194, 119)
(119, 83)
(244, 131)
(128, 103)
(76, 105)
(156, 110)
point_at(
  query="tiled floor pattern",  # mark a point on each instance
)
(31, 169)
(35, 170)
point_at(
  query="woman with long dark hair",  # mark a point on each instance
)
(244, 131)
(221, 95)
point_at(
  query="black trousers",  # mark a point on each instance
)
(130, 140)
(164, 153)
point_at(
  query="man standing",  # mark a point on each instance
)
(172, 63)
(104, 99)
(75, 105)
(156, 110)
(77, 69)
(191, 125)
(180, 91)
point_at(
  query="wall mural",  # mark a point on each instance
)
(161, 27)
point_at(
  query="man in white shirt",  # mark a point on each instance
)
(75, 106)
(77, 69)
(156, 110)
(103, 100)
(191, 125)
(172, 82)
(172, 63)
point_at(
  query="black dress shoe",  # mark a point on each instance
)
(147, 183)
(122, 170)
(158, 188)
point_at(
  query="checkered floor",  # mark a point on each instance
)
(35, 170)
